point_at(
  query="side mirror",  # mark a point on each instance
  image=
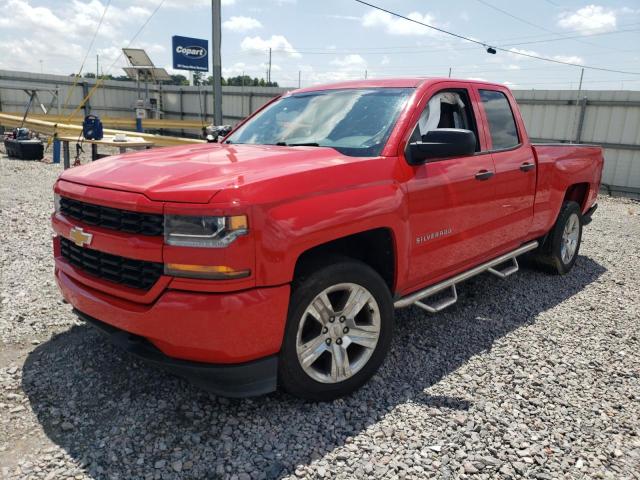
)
(441, 143)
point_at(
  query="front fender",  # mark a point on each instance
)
(289, 229)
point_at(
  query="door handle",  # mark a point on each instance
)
(484, 175)
(525, 167)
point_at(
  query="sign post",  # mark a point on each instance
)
(217, 63)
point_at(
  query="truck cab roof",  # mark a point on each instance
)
(400, 82)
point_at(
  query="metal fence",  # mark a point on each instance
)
(118, 99)
(607, 118)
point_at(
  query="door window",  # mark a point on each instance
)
(502, 125)
(447, 109)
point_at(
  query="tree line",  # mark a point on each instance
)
(198, 79)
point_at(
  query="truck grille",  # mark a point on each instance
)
(112, 218)
(126, 271)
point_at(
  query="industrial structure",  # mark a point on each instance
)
(607, 118)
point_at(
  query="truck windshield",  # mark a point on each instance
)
(356, 122)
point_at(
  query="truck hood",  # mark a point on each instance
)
(195, 173)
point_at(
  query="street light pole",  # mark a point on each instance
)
(217, 62)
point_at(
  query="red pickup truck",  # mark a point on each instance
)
(278, 256)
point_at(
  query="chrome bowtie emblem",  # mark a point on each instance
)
(80, 237)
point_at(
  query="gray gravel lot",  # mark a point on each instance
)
(531, 377)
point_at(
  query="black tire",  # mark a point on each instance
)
(291, 375)
(549, 258)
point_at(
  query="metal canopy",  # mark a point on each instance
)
(137, 57)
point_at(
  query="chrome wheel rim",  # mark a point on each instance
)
(570, 238)
(338, 333)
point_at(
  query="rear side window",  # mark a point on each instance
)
(502, 125)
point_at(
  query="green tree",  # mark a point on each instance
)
(198, 78)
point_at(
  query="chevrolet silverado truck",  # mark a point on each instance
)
(277, 257)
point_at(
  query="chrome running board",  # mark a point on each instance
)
(504, 273)
(417, 297)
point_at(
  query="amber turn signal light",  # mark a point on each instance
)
(213, 272)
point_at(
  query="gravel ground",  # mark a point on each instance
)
(532, 377)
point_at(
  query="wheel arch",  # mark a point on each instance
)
(375, 247)
(577, 192)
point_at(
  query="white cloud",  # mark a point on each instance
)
(277, 43)
(349, 61)
(241, 24)
(59, 36)
(80, 21)
(251, 69)
(561, 58)
(20, 14)
(589, 19)
(314, 78)
(183, 3)
(569, 59)
(399, 26)
(345, 17)
(519, 53)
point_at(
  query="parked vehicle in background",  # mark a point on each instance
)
(278, 256)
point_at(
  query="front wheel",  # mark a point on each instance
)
(338, 332)
(559, 252)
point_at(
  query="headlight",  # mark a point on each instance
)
(212, 232)
(56, 202)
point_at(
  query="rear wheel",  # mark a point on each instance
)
(559, 252)
(338, 330)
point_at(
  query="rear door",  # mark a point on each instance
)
(515, 165)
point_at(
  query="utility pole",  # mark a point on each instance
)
(449, 72)
(242, 95)
(577, 114)
(216, 34)
(299, 78)
(269, 71)
(580, 84)
(97, 66)
(365, 74)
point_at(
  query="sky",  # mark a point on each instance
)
(331, 40)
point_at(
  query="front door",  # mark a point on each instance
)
(450, 199)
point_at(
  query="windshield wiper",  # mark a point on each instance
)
(304, 144)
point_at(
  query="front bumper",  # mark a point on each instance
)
(218, 328)
(240, 380)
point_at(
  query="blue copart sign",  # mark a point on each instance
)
(190, 53)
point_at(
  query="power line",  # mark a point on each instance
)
(95, 34)
(504, 12)
(414, 49)
(595, 32)
(462, 37)
(527, 22)
(101, 80)
(86, 55)
(572, 37)
(421, 49)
